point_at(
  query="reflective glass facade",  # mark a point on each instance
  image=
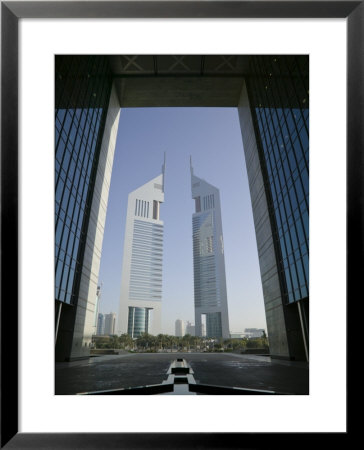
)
(208, 260)
(204, 263)
(82, 94)
(146, 262)
(279, 96)
(213, 325)
(138, 321)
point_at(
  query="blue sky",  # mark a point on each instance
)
(212, 137)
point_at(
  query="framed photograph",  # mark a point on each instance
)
(29, 69)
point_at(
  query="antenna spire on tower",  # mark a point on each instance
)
(164, 170)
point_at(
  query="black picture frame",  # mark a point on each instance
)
(11, 12)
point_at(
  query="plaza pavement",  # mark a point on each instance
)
(221, 369)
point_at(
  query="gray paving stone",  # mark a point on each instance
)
(221, 369)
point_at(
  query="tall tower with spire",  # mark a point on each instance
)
(208, 260)
(141, 280)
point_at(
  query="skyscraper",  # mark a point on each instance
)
(190, 329)
(179, 328)
(208, 261)
(110, 322)
(141, 281)
(100, 324)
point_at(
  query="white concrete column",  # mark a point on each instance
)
(84, 323)
(273, 301)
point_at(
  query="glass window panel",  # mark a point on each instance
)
(297, 294)
(300, 232)
(305, 265)
(300, 273)
(305, 221)
(293, 198)
(64, 277)
(67, 298)
(304, 138)
(61, 296)
(60, 150)
(287, 205)
(58, 275)
(70, 280)
(70, 246)
(59, 229)
(304, 292)
(283, 249)
(294, 276)
(299, 190)
(60, 115)
(294, 238)
(68, 122)
(288, 243)
(75, 248)
(304, 177)
(288, 280)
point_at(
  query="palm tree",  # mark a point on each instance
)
(142, 341)
(186, 341)
(126, 341)
(174, 341)
(160, 340)
(178, 342)
(114, 341)
(168, 341)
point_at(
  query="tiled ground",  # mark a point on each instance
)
(132, 370)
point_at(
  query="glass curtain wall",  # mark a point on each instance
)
(279, 96)
(206, 289)
(146, 262)
(83, 86)
(213, 325)
(138, 321)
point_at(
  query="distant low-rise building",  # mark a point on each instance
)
(237, 335)
(254, 332)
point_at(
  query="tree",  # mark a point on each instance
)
(114, 341)
(186, 341)
(169, 341)
(161, 340)
(126, 341)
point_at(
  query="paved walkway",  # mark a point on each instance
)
(222, 369)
